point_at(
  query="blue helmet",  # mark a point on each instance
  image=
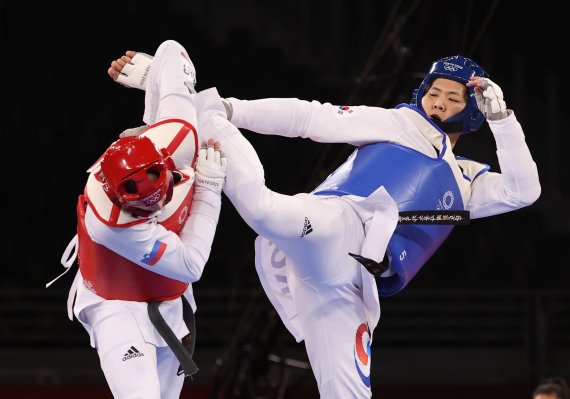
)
(460, 69)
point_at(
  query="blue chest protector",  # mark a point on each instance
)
(415, 182)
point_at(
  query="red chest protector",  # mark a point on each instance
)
(112, 276)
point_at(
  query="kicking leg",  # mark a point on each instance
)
(309, 229)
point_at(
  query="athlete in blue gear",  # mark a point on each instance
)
(323, 257)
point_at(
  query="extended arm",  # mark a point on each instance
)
(321, 122)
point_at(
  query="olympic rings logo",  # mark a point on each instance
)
(449, 66)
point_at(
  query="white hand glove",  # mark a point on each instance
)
(134, 74)
(211, 168)
(490, 100)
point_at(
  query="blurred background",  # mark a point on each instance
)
(488, 316)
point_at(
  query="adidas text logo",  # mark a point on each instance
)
(132, 352)
(307, 228)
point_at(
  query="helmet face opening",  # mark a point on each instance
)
(146, 185)
(459, 69)
(137, 174)
(131, 187)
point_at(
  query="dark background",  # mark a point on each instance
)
(61, 111)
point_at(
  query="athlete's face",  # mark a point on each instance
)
(157, 206)
(445, 98)
(156, 200)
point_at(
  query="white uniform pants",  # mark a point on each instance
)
(133, 367)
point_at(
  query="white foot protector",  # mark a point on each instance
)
(134, 74)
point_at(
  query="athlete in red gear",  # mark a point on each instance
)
(146, 222)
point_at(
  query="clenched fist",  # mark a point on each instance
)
(489, 97)
(211, 167)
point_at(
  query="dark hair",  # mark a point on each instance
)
(554, 385)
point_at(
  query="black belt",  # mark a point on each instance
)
(182, 350)
(460, 218)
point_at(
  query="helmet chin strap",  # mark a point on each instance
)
(449, 127)
(141, 213)
(455, 124)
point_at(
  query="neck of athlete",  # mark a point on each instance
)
(453, 138)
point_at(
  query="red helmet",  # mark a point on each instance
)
(137, 175)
